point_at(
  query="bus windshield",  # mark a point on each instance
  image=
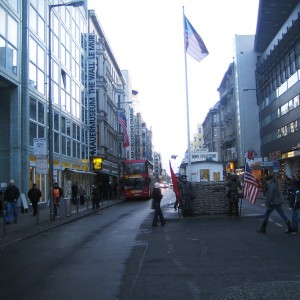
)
(135, 183)
(136, 168)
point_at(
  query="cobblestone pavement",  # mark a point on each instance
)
(280, 290)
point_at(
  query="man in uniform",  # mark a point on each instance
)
(186, 195)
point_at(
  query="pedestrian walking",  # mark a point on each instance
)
(157, 196)
(11, 197)
(82, 193)
(186, 196)
(74, 189)
(95, 197)
(295, 205)
(57, 194)
(34, 195)
(274, 201)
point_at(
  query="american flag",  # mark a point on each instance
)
(250, 188)
(123, 123)
(194, 44)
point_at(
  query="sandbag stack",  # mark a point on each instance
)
(209, 198)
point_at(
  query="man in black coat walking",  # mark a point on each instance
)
(34, 195)
(11, 197)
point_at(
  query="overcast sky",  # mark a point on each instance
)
(147, 40)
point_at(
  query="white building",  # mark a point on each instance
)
(205, 167)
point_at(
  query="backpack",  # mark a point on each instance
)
(56, 193)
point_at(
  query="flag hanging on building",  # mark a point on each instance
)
(174, 181)
(250, 188)
(194, 44)
(251, 153)
(123, 123)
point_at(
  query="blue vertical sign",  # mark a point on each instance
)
(92, 92)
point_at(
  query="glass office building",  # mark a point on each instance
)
(24, 88)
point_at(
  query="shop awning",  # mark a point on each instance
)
(80, 171)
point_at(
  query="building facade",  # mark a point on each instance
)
(108, 99)
(228, 136)
(198, 141)
(24, 72)
(278, 82)
(259, 94)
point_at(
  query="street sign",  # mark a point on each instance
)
(39, 146)
(41, 164)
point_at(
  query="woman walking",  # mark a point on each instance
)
(157, 196)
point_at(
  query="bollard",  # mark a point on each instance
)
(37, 219)
(4, 222)
(87, 202)
(68, 207)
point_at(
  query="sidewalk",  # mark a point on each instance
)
(28, 225)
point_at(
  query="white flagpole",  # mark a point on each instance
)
(187, 99)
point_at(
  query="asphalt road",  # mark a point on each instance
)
(80, 260)
(213, 257)
(116, 254)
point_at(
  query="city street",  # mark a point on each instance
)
(116, 254)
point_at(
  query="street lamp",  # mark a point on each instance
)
(50, 120)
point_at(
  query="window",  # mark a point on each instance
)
(64, 145)
(8, 42)
(41, 113)
(14, 4)
(284, 109)
(32, 109)
(37, 120)
(37, 66)
(12, 31)
(32, 132)
(63, 125)
(74, 149)
(56, 121)
(204, 174)
(56, 142)
(2, 22)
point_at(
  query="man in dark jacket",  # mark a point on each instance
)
(11, 197)
(274, 202)
(233, 194)
(74, 189)
(34, 195)
(186, 196)
(95, 197)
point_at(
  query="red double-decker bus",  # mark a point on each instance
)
(138, 179)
